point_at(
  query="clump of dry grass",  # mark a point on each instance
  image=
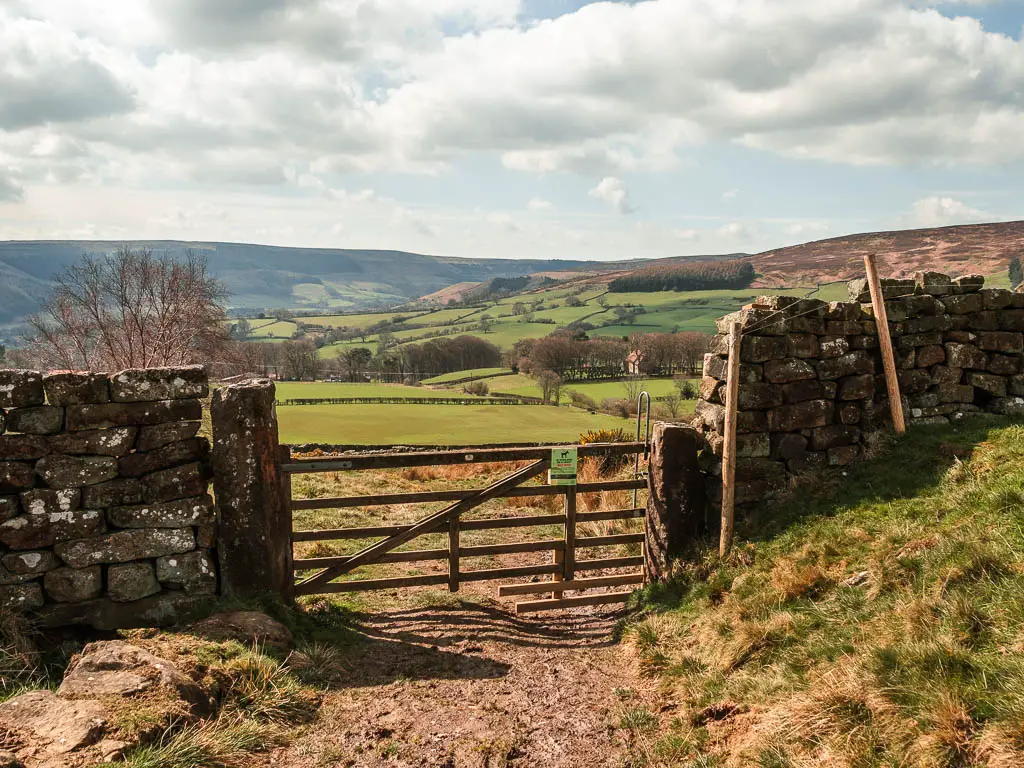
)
(21, 666)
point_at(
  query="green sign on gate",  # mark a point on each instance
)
(563, 467)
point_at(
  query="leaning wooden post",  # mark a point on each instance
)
(732, 388)
(892, 383)
(453, 554)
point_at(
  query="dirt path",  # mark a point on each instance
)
(476, 685)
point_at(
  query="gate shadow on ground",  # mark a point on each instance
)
(451, 642)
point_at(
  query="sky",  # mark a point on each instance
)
(508, 128)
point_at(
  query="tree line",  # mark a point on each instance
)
(696, 276)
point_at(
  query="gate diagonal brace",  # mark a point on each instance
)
(426, 525)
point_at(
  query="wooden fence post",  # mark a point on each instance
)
(676, 498)
(732, 388)
(453, 554)
(892, 383)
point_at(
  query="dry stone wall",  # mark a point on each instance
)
(811, 381)
(105, 515)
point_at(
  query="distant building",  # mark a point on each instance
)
(634, 360)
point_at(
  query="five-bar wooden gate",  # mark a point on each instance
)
(564, 568)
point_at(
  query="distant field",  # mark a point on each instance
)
(288, 390)
(437, 424)
(467, 374)
(271, 329)
(599, 390)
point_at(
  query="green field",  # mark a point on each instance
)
(272, 329)
(472, 373)
(290, 390)
(437, 424)
(519, 384)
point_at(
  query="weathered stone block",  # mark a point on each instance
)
(61, 471)
(844, 310)
(1008, 406)
(904, 358)
(748, 444)
(168, 514)
(124, 546)
(788, 445)
(862, 342)
(161, 434)
(137, 385)
(843, 328)
(959, 322)
(788, 369)
(1011, 320)
(843, 455)
(956, 393)
(96, 442)
(933, 283)
(172, 454)
(810, 389)
(966, 356)
(759, 349)
(895, 312)
(711, 390)
(105, 416)
(987, 382)
(48, 501)
(113, 493)
(914, 340)
(961, 337)
(812, 461)
(759, 479)
(968, 283)
(923, 400)
(918, 306)
(8, 577)
(850, 364)
(804, 345)
(1004, 365)
(75, 388)
(9, 507)
(833, 435)
(1007, 342)
(22, 447)
(22, 597)
(20, 388)
(36, 420)
(15, 476)
(193, 572)
(37, 531)
(73, 585)
(206, 536)
(758, 397)
(962, 304)
(132, 581)
(162, 610)
(931, 355)
(849, 413)
(987, 320)
(996, 298)
(181, 482)
(805, 324)
(914, 380)
(30, 563)
(1017, 385)
(927, 324)
(833, 346)
(806, 415)
(858, 387)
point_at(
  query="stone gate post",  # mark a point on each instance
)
(254, 538)
(676, 502)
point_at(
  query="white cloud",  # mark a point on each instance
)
(939, 211)
(539, 204)
(611, 190)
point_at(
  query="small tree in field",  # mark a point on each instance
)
(130, 310)
(550, 386)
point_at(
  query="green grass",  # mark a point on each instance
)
(280, 329)
(878, 620)
(472, 373)
(519, 384)
(287, 390)
(436, 424)
(356, 321)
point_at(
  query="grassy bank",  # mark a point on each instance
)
(876, 623)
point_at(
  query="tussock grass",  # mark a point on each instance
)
(21, 665)
(877, 622)
(227, 742)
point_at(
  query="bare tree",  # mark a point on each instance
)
(130, 310)
(633, 385)
(300, 360)
(550, 386)
(672, 403)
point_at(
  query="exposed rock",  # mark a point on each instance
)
(36, 420)
(172, 454)
(113, 493)
(8, 760)
(37, 531)
(1009, 406)
(32, 563)
(148, 384)
(75, 388)
(850, 364)
(1004, 365)
(181, 482)
(131, 581)
(965, 356)
(834, 346)
(759, 349)
(15, 476)
(810, 389)
(20, 388)
(162, 434)
(127, 545)
(850, 413)
(21, 597)
(788, 445)
(9, 507)
(787, 370)
(832, 436)
(53, 724)
(73, 585)
(1011, 319)
(247, 627)
(758, 396)
(168, 514)
(22, 447)
(962, 304)
(107, 415)
(913, 380)
(858, 387)
(193, 572)
(933, 283)
(117, 668)
(966, 283)
(804, 345)
(996, 298)
(806, 415)
(61, 471)
(45, 501)
(95, 442)
(711, 390)
(931, 355)
(943, 374)
(987, 382)
(1001, 341)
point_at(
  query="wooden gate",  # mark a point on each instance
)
(564, 569)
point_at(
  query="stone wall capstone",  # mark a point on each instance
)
(105, 515)
(812, 383)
